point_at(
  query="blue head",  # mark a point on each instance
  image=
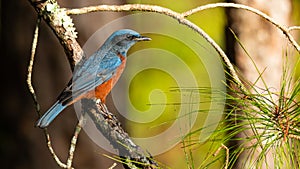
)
(123, 39)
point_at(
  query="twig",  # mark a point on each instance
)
(78, 128)
(30, 66)
(113, 166)
(292, 28)
(32, 91)
(227, 154)
(49, 145)
(284, 29)
(181, 18)
(178, 16)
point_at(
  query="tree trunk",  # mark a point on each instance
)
(265, 44)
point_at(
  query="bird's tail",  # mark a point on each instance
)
(50, 115)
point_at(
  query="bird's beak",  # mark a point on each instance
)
(142, 38)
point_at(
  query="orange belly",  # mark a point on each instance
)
(104, 89)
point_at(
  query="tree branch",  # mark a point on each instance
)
(66, 34)
(180, 17)
(32, 91)
(107, 123)
(285, 30)
(62, 26)
(72, 148)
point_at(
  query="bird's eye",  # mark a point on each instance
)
(129, 37)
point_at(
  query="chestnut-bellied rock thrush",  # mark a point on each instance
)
(96, 75)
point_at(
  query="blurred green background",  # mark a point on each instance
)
(213, 23)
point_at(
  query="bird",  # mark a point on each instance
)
(95, 76)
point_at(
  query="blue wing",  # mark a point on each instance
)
(92, 73)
